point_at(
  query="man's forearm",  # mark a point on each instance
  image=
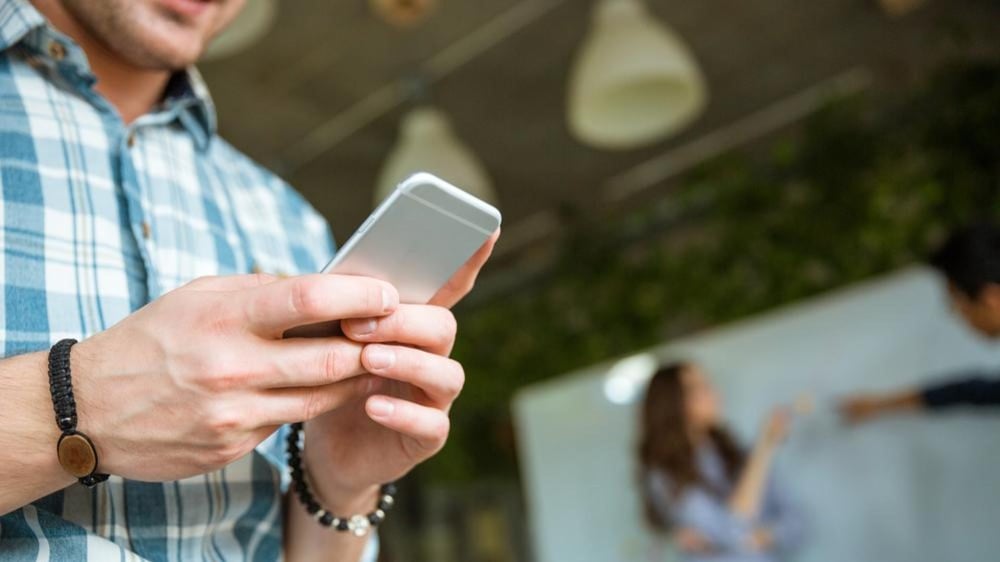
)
(29, 433)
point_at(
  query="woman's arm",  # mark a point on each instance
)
(748, 494)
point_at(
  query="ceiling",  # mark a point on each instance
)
(319, 99)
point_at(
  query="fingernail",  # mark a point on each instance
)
(363, 327)
(380, 357)
(380, 407)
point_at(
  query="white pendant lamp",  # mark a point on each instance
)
(252, 23)
(634, 80)
(427, 143)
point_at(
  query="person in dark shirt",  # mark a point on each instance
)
(970, 260)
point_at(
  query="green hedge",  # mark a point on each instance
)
(866, 186)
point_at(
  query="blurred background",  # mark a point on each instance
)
(751, 183)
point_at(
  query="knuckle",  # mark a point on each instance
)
(305, 296)
(213, 315)
(439, 430)
(313, 404)
(330, 364)
(222, 422)
(455, 382)
(468, 286)
(218, 373)
(262, 278)
(222, 381)
(449, 326)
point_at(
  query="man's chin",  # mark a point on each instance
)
(170, 54)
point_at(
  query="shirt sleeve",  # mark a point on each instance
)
(966, 391)
(697, 509)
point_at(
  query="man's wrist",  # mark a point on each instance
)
(345, 504)
(41, 432)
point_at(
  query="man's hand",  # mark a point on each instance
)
(197, 378)
(401, 418)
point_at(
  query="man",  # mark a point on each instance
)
(970, 260)
(129, 225)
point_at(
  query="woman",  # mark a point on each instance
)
(718, 503)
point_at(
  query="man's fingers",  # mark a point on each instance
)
(428, 327)
(289, 405)
(440, 378)
(461, 283)
(284, 304)
(301, 362)
(426, 426)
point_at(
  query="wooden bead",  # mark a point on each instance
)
(77, 455)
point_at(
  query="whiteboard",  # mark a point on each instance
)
(908, 489)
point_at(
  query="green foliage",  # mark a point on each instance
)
(865, 186)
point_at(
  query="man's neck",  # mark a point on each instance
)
(133, 91)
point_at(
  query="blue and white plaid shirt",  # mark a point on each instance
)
(97, 218)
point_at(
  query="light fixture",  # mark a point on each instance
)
(634, 80)
(628, 377)
(252, 23)
(403, 13)
(897, 8)
(427, 143)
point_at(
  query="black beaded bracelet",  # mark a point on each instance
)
(77, 453)
(359, 525)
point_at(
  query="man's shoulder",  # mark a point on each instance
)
(269, 208)
(254, 176)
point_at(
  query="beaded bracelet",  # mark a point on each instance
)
(359, 525)
(77, 453)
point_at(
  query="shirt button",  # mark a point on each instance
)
(147, 231)
(130, 139)
(57, 51)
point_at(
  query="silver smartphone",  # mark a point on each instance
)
(418, 237)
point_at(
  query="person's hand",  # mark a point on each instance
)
(760, 540)
(777, 426)
(401, 417)
(465, 278)
(197, 378)
(690, 541)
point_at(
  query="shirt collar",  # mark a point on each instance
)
(186, 96)
(17, 19)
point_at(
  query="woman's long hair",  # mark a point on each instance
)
(665, 442)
